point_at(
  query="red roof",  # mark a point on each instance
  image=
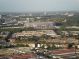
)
(63, 51)
(22, 56)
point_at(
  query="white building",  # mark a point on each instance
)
(40, 25)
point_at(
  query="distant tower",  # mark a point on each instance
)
(30, 14)
(0, 16)
(65, 20)
(28, 20)
(45, 13)
(26, 23)
(66, 13)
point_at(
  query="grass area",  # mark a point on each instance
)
(9, 51)
(14, 30)
(57, 19)
(11, 30)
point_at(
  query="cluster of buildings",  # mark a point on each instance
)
(3, 38)
(36, 33)
(27, 21)
(6, 19)
(46, 35)
(40, 25)
(55, 38)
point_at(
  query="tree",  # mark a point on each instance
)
(78, 38)
(44, 36)
(70, 45)
(9, 36)
(36, 40)
(62, 28)
(51, 47)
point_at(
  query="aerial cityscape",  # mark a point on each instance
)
(39, 30)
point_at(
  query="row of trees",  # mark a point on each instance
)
(34, 38)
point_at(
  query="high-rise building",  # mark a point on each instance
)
(2, 21)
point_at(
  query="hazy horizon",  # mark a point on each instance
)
(38, 5)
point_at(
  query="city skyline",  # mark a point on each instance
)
(38, 5)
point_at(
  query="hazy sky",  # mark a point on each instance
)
(38, 5)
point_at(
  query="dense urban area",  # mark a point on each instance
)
(39, 35)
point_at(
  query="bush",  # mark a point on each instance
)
(20, 45)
